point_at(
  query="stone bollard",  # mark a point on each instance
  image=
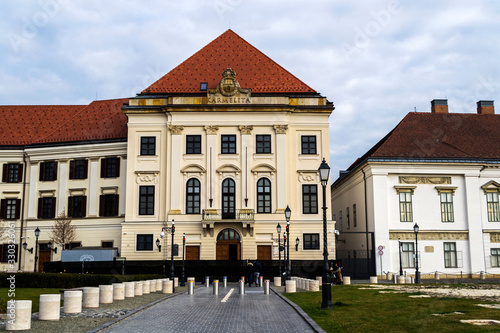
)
(190, 286)
(152, 286)
(388, 276)
(347, 280)
(90, 297)
(290, 286)
(50, 307)
(242, 287)
(176, 281)
(207, 281)
(277, 281)
(314, 285)
(216, 287)
(408, 279)
(436, 275)
(395, 279)
(146, 287)
(401, 279)
(482, 275)
(224, 281)
(159, 284)
(106, 294)
(306, 284)
(373, 279)
(118, 292)
(261, 281)
(72, 301)
(320, 279)
(267, 284)
(18, 317)
(129, 289)
(167, 287)
(137, 288)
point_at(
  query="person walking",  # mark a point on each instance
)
(256, 271)
(249, 273)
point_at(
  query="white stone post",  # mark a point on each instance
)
(106, 294)
(129, 289)
(347, 279)
(373, 279)
(290, 286)
(277, 281)
(118, 291)
(146, 287)
(19, 318)
(137, 288)
(90, 297)
(72, 301)
(167, 287)
(50, 307)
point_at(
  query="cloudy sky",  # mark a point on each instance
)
(376, 60)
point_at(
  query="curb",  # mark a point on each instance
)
(301, 313)
(131, 313)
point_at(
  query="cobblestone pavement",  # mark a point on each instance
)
(226, 312)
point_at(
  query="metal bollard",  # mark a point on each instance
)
(242, 287)
(224, 280)
(266, 287)
(215, 283)
(261, 278)
(207, 281)
(190, 287)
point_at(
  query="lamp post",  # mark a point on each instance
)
(37, 233)
(288, 213)
(49, 246)
(183, 251)
(324, 173)
(278, 229)
(162, 235)
(297, 242)
(400, 261)
(284, 253)
(417, 273)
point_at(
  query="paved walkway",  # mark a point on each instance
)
(226, 312)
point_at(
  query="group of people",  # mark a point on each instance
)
(253, 272)
(336, 274)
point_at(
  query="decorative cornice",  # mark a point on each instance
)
(429, 235)
(280, 129)
(451, 189)
(176, 129)
(405, 188)
(424, 180)
(147, 177)
(211, 130)
(246, 129)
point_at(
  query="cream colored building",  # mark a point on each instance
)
(222, 144)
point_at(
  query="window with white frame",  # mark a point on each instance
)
(493, 206)
(405, 206)
(447, 214)
(495, 257)
(450, 255)
(408, 255)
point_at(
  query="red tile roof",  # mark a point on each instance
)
(36, 124)
(440, 136)
(253, 69)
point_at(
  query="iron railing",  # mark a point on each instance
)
(230, 214)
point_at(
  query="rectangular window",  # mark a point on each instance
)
(354, 217)
(311, 241)
(12, 173)
(72, 245)
(46, 208)
(347, 221)
(110, 167)
(310, 199)
(447, 207)
(144, 243)
(405, 206)
(48, 171)
(228, 144)
(10, 209)
(77, 206)
(495, 257)
(8, 252)
(78, 169)
(340, 221)
(309, 144)
(107, 244)
(108, 205)
(263, 144)
(146, 200)
(148, 145)
(408, 255)
(493, 207)
(450, 255)
(193, 144)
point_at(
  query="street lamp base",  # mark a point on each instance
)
(327, 295)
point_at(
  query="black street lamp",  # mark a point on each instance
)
(278, 229)
(297, 242)
(417, 273)
(162, 235)
(158, 245)
(324, 174)
(288, 213)
(400, 260)
(183, 251)
(37, 233)
(49, 246)
(284, 254)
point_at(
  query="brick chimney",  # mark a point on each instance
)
(439, 106)
(485, 107)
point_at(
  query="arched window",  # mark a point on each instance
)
(228, 199)
(264, 196)
(193, 196)
(228, 234)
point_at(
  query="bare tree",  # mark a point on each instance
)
(63, 232)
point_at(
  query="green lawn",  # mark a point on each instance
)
(24, 294)
(357, 310)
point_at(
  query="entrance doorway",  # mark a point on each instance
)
(43, 256)
(228, 245)
(228, 199)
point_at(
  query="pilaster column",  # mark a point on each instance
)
(32, 199)
(473, 193)
(93, 190)
(175, 168)
(123, 191)
(281, 167)
(61, 196)
(211, 182)
(246, 143)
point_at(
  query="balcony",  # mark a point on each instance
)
(235, 214)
